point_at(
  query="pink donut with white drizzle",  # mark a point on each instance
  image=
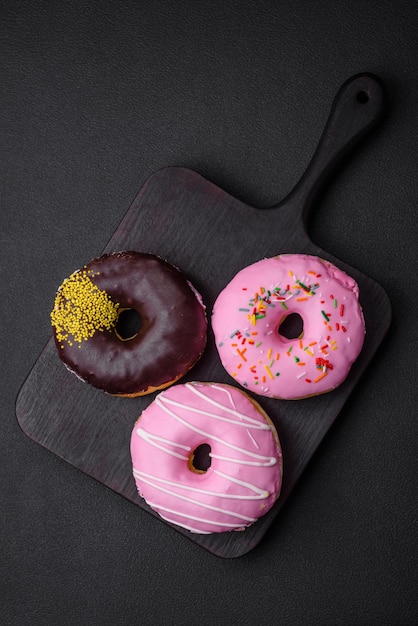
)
(238, 477)
(248, 318)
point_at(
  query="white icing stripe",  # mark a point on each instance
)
(253, 440)
(192, 517)
(242, 462)
(261, 493)
(228, 393)
(152, 440)
(181, 405)
(264, 460)
(222, 407)
(186, 526)
(193, 501)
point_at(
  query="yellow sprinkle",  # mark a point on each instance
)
(81, 309)
(269, 353)
(268, 370)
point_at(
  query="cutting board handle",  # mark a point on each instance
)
(357, 108)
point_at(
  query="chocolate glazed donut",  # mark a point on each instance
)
(172, 326)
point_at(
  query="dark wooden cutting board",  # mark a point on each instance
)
(210, 236)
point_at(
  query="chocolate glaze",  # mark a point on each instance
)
(171, 338)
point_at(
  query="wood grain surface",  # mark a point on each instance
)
(210, 236)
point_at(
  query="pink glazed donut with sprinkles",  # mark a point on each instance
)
(232, 484)
(248, 318)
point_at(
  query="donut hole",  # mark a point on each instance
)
(128, 324)
(200, 460)
(291, 326)
(363, 97)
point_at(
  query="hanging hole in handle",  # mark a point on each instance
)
(363, 97)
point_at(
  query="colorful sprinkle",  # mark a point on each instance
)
(304, 287)
(269, 372)
(241, 353)
(320, 377)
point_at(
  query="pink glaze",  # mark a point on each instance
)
(245, 475)
(248, 312)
